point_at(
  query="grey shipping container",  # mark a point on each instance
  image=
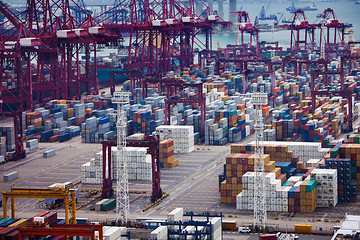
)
(10, 176)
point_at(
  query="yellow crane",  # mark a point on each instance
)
(56, 192)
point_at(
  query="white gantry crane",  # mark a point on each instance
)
(259, 100)
(122, 186)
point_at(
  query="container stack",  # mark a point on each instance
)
(313, 163)
(347, 190)
(103, 125)
(294, 199)
(269, 135)
(183, 137)
(308, 196)
(276, 195)
(348, 151)
(277, 152)
(327, 187)
(282, 150)
(166, 152)
(219, 86)
(142, 122)
(236, 166)
(73, 131)
(2, 146)
(58, 120)
(9, 132)
(88, 130)
(286, 129)
(230, 115)
(63, 108)
(79, 112)
(45, 113)
(33, 118)
(139, 167)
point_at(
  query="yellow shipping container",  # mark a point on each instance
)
(303, 228)
(20, 223)
(277, 171)
(70, 112)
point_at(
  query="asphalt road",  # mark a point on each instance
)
(192, 185)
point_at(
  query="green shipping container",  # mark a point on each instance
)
(353, 164)
(4, 220)
(334, 152)
(286, 183)
(39, 129)
(353, 175)
(108, 205)
(310, 186)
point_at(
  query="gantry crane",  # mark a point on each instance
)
(300, 22)
(122, 186)
(259, 100)
(40, 53)
(329, 23)
(244, 25)
(150, 142)
(173, 88)
(56, 192)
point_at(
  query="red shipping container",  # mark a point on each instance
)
(154, 109)
(353, 199)
(6, 231)
(222, 191)
(282, 177)
(78, 121)
(13, 235)
(294, 160)
(245, 168)
(54, 138)
(51, 217)
(267, 237)
(228, 158)
(233, 167)
(239, 180)
(291, 208)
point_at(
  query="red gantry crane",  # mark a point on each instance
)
(40, 56)
(332, 33)
(298, 24)
(163, 34)
(244, 25)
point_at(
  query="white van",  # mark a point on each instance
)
(244, 230)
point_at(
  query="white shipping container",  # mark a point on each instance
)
(159, 233)
(176, 215)
(112, 233)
